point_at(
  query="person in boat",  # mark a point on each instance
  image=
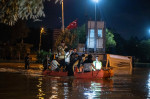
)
(73, 59)
(54, 64)
(67, 56)
(88, 64)
(97, 63)
(79, 63)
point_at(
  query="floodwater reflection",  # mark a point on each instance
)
(148, 85)
(40, 91)
(18, 85)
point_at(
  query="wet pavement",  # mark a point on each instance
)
(30, 84)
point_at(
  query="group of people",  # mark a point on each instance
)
(72, 62)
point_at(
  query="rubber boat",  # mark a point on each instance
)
(103, 73)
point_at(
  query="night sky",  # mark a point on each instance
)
(126, 17)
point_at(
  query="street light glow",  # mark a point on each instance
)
(149, 31)
(96, 1)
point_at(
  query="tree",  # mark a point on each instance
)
(68, 38)
(132, 46)
(12, 10)
(144, 53)
(81, 34)
(121, 43)
(19, 31)
(110, 42)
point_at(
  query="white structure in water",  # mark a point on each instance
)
(95, 37)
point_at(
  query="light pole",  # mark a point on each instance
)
(63, 16)
(95, 36)
(41, 32)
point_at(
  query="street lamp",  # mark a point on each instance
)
(95, 36)
(96, 1)
(41, 32)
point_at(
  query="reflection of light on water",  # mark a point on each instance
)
(54, 90)
(90, 94)
(95, 90)
(66, 89)
(40, 94)
(148, 84)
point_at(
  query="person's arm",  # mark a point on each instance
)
(75, 64)
(57, 62)
(93, 66)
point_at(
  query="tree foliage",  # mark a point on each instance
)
(12, 10)
(81, 34)
(144, 53)
(68, 37)
(19, 31)
(110, 42)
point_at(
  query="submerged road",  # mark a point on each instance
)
(17, 83)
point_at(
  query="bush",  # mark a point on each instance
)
(42, 55)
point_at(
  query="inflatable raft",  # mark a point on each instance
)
(103, 73)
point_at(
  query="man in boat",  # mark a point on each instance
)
(88, 64)
(67, 56)
(54, 64)
(79, 63)
(73, 59)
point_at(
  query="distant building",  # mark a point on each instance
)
(95, 37)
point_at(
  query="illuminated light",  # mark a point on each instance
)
(96, 1)
(149, 31)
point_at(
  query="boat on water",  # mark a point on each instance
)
(103, 73)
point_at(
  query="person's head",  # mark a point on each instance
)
(62, 43)
(74, 50)
(76, 55)
(89, 56)
(66, 50)
(96, 58)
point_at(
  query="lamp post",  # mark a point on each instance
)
(95, 31)
(41, 32)
(62, 15)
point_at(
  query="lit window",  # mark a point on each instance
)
(91, 32)
(100, 33)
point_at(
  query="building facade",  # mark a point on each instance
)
(95, 37)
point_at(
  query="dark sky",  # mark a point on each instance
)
(126, 17)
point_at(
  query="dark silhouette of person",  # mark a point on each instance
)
(27, 62)
(73, 59)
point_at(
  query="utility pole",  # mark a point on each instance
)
(63, 16)
(95, 36)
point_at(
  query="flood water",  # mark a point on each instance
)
(22, 85)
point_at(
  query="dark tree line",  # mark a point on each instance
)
(139, 48)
